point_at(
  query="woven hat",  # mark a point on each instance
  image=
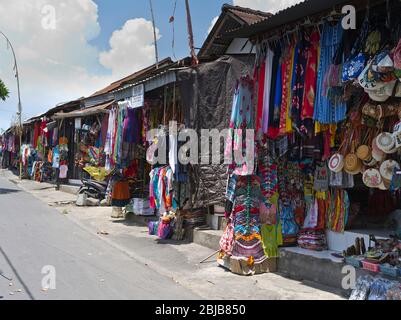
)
(383, 93)
(352, 164)
(336, 163)
(387, 169)
(364, 152)
(372, 178)
(385, 142)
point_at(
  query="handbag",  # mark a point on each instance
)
(321, 181)
(353, 68)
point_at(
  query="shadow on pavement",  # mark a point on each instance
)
(7, 191)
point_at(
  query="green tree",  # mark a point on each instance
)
(3, 91)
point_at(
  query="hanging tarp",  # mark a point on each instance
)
(207, 94)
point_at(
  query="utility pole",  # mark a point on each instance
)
(154, 34)
(195, 60)
(19, 107)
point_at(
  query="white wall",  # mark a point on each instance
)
(237, 44)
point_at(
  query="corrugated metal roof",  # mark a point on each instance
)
(231, 17)
(249, 16)
(286, 16)
(136, 75)
(102, 108)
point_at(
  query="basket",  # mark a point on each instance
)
(370, 266)
(389, 270)
(353, 261)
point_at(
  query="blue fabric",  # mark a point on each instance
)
(327, 111)
(353, 68)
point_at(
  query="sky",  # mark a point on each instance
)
(67, 49)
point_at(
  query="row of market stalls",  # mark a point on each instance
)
(322, 100)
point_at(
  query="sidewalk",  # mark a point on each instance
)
(177, 260)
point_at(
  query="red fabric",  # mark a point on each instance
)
(36, 134)
(286, 73)
(311, 78)
(105, 126)
(261, 90)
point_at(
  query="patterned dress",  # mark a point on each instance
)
(242, 118)
(326, 110)
(247, 240)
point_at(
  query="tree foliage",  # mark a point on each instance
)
(3, 91)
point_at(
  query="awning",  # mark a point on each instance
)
(102, 108)
(306, 8)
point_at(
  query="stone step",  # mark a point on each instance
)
(207, 238)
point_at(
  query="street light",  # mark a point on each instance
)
(19, 109)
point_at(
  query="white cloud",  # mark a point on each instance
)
(212, 24)
(266, 5)
(131, 48)
(55, 65)
(61, 65)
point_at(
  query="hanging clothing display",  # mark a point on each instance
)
(245, 253)
(327, 110)
(267, 92)
(242, 118)
(161, 189)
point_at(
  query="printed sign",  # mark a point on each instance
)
(138, 96)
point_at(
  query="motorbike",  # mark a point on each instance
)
(93, 189)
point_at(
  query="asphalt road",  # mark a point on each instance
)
(35, 238)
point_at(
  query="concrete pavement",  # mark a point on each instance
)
(126, 263)
(34, 235)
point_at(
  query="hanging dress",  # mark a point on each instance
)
(275, 95)
(311, 76)
(298, 82)
(261, 87)
(267, 90)
(242, 118)
(327, 111)
(286, 87)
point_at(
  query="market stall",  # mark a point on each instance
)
(327, 106)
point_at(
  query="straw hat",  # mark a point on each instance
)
(385, 142)
(387, 169)
(364, 153)
(352, 164)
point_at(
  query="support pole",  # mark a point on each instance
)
(195, 60)
(154, 34)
